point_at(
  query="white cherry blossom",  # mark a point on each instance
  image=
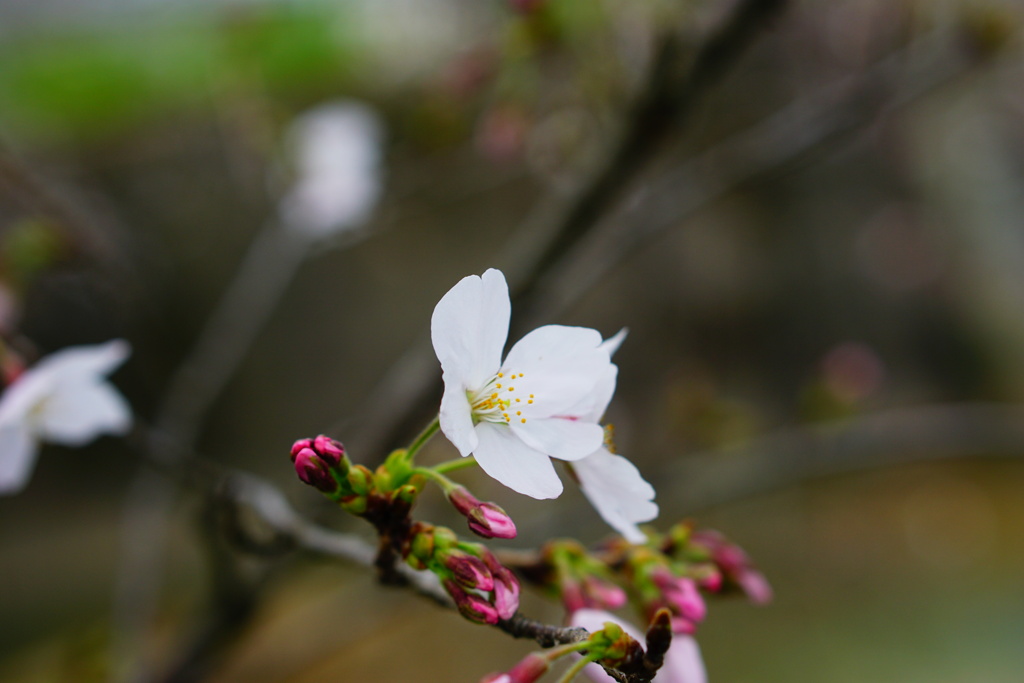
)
(611, 483)
(517, 414)
(63, 399)
(336, 149)
(683, 663)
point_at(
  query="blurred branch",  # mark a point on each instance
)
(96, 234)
(808, 125)
(897, 437)
(672, 90)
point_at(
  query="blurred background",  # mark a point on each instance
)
(821, 266)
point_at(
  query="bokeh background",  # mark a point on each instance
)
(838, 248)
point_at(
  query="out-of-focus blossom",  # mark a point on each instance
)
(735, 565)
(683, 663)
(612, 484)
(517, 414)
(336, 151)
(64, 399)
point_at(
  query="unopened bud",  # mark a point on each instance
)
(603, 594)
(299, 445)
(407, 494)
(422, 546)
(330, 450)
(314, 471)
(355, 505)
(490, 521)
(572, 596)
(468, 570)
(684, 596)
(755, 585)
(485, 519)
(506, 593)
(361, 479)
(529, 669)
(470, 605)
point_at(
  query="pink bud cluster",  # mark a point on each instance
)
(681, 596)
(483, 589)
(734, 566)
(484, 519)
(315, 458)
(581, 580)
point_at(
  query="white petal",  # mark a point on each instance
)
(456, 416)
(23, 396)
(78, 412)
(683, 663)
(559, 437)
(469, 327)
(592, 406)
(552, 342)
(96, 360)
(612, 344)
(614, 487)
(506, 458)
(17, 458)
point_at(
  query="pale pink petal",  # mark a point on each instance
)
(504, 457)
(456, 416)
(621, 496)
(17, 458)
(469, 327)
(683, 663)
(78, 412)
(560, 438)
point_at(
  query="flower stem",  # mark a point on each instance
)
(433, 475)
(567, 649)
(452, 465)
(576, 668)
(423, 438)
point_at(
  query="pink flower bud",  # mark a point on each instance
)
(468, 570)
(462, 499)
(506, 593)
(330, 450)
(572, 596)
(470, 605)
(602, 594)
(299, 445)
(314, 471)
(490, 521)
(530, 669)
(681, 594)
(756, 586)
(485, 519)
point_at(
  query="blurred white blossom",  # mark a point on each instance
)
(64, 399)
(336, 152)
